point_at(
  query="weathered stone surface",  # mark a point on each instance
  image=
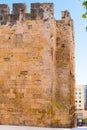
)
(64, 86)
(19, 6)
(4, 9)
(37, 69)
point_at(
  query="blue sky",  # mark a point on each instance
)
(75, 8)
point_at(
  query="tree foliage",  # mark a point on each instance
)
(85, 6)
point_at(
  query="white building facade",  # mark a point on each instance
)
(79, 100)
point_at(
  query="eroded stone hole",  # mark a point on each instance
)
(63, 45)
(29, 26)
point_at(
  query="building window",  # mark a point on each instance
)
(79, 93)
(79, 105)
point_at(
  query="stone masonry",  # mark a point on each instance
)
(36, 67)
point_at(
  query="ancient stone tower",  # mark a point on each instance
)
(36, 67)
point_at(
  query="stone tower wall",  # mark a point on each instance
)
(37, 61)
(26, 77)
(65, 80)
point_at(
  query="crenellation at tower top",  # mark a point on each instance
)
(19, 6)
(43, 11)
(4, 9)
(66, 17)
(66, 14)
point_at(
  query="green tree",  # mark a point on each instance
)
(84, 4)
